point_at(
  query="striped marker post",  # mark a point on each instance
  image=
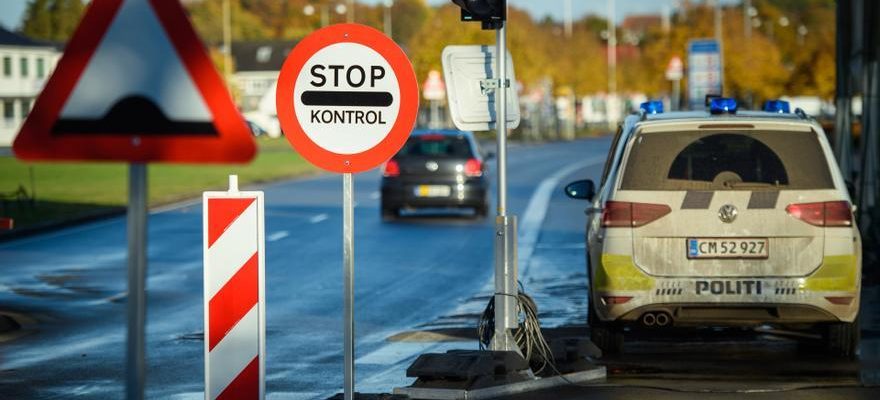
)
(234, 301)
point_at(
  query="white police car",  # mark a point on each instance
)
(722, 218)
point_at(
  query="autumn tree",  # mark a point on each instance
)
(52, 20)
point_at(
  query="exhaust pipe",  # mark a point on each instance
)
(648, 319)
(662, 319)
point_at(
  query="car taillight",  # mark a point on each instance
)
(473, 167)
(392, 169)
(626, 214)
(829, 213)
(612, 300)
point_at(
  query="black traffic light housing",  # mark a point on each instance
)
(491, 13)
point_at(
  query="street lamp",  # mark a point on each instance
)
(309, 10)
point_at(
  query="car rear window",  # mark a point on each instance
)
(437, 146)
(703, 160)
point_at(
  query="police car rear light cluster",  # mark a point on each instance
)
(828, 214)
(611, 300)
(777, 106)
(473, 168)
(392, 169)
(626, 214)
(722, 105)
(652, 107)
(841, 301)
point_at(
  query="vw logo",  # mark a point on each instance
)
(432, 166)
(727, 213)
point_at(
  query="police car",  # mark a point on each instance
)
(721, 218)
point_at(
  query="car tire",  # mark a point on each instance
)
(481, 211)
(608, 337)
(389, 213)
(842, 339)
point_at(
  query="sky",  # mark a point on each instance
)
(11, 10)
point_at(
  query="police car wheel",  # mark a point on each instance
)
(606, 336)
(842, 339)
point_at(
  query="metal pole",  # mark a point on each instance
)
(137, 276)
(505, 226)
(843, 100)
(568, 18)
(676, 94)
(227, 41)
(610, 111)
(387, 22)
(747, 19)
(348, 276)
(350, 14)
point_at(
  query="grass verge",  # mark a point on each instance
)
(64, 192)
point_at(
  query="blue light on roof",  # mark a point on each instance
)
(652, 107)
(777, 106)
(722, 105)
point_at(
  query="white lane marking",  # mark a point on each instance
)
(375, 195)
(277, 236)
(536, 211)
(318, 218)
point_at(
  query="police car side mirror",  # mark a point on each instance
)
(489, 155)
(581, 190)
(851, 188)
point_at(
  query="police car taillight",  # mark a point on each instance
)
(829, 213)
(626, 214)
(722, 105)
(777, 106)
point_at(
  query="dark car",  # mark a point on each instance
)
(436, 168)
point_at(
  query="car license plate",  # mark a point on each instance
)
(432, 191)
(728, 248)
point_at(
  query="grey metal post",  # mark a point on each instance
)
(843, 100)
(137, 276)
(676, 94)
(870, 144)
(348, 277)
(505, 226)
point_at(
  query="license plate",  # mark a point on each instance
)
(728, 248)
(432, 191)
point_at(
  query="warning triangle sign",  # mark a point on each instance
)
(135, 84)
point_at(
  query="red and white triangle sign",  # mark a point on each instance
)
(135, 84)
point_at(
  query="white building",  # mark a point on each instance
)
(25, 65)
(257, 65)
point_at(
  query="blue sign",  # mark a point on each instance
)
(705, 71)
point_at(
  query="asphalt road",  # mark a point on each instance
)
(415, 279)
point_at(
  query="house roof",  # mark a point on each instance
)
(9, 38)
(260, 56)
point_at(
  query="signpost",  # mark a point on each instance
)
(705, 72)
(347, 100)
(135, 85)
(674, 73)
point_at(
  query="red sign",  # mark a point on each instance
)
(135, 84)
(347, 98)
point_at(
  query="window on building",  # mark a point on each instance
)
(7, 66)
(8, 111)
(24, 67)
(41, 68)
(25, 108)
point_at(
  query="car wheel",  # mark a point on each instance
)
(389, 213)
(481, 211)
(842, 339)
(608, 337)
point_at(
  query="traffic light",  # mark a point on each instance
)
(491, 13)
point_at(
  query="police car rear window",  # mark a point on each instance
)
(437, 145)
(726, 161)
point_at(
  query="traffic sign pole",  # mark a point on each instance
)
(137, 276)
(505, 226)
(348, 277)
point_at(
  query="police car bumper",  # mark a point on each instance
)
(831, 294)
